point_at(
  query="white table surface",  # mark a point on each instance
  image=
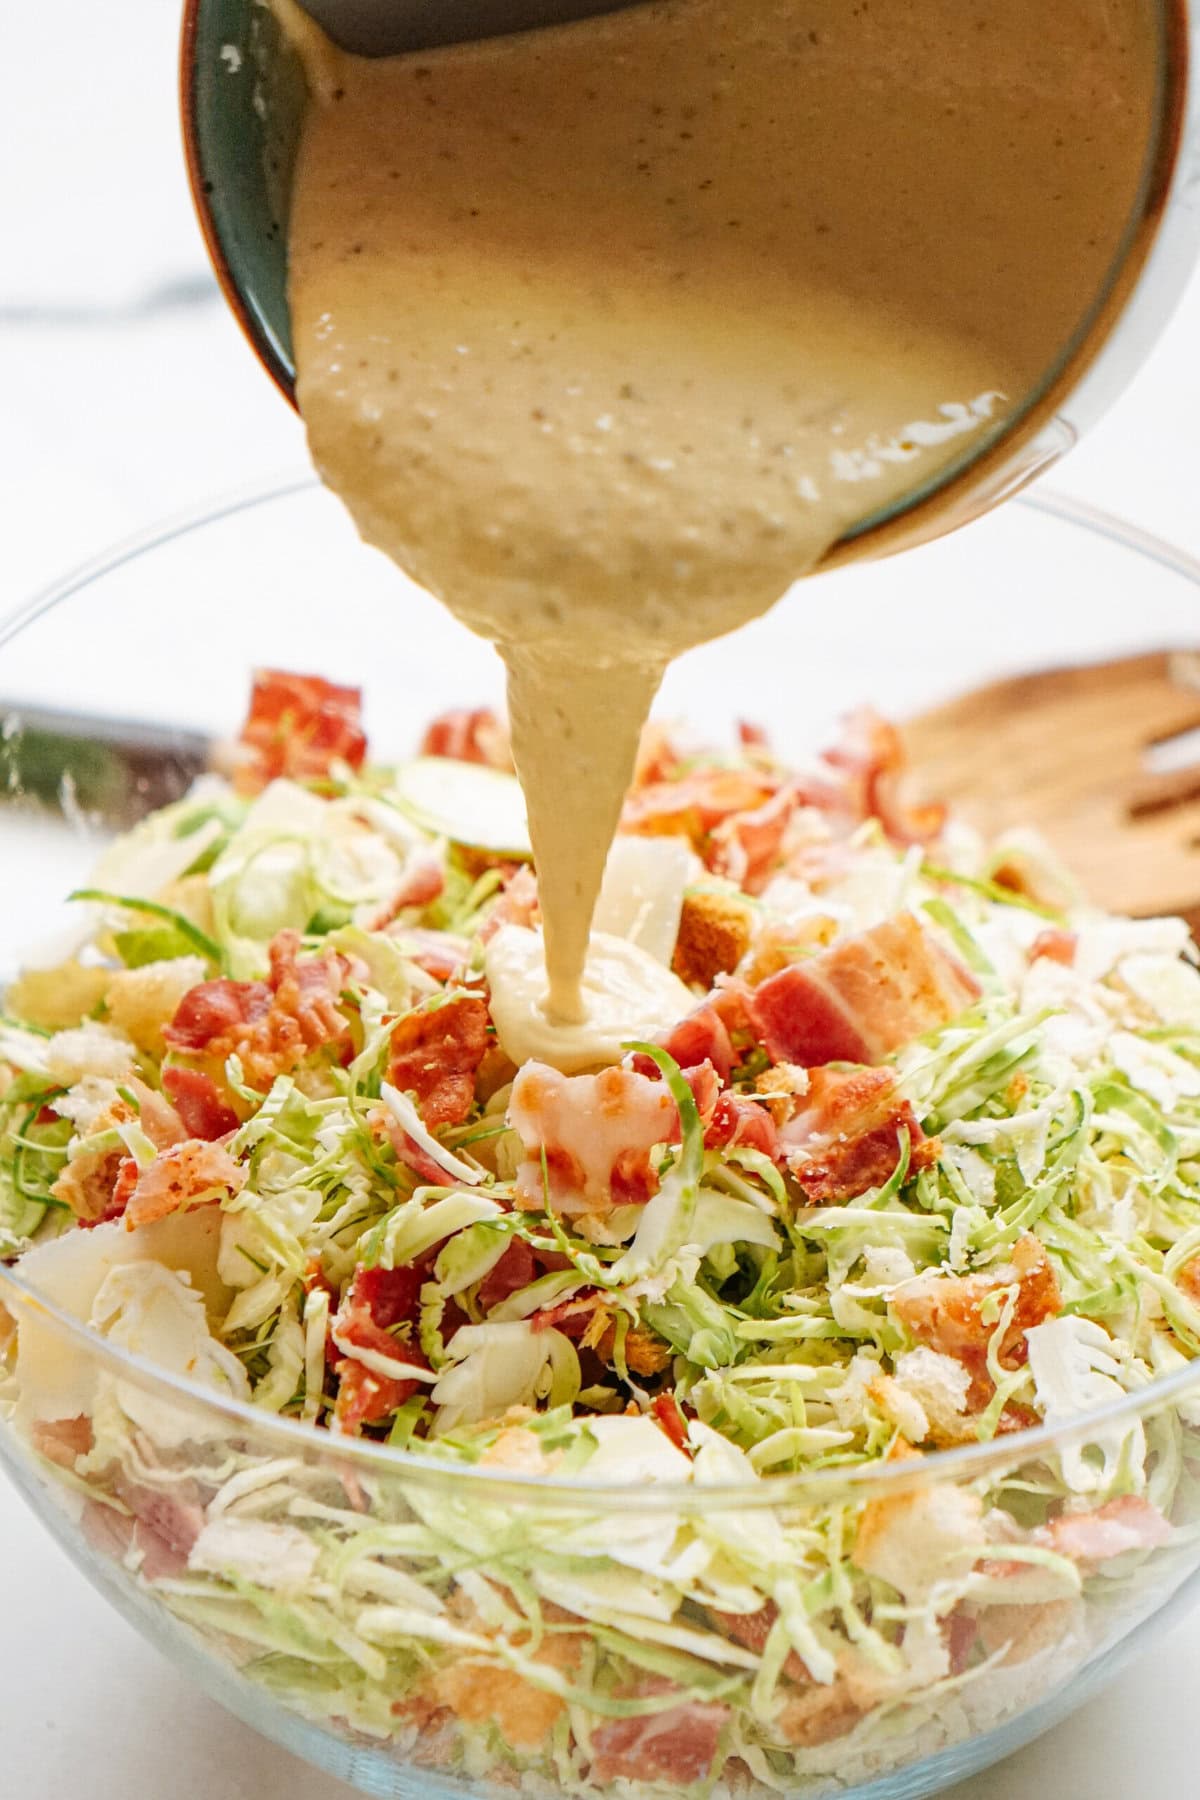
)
(127, 393)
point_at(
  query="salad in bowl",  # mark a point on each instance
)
(794, 1384)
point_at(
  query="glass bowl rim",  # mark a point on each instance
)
(813, 1487)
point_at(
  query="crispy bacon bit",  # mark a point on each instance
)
(665, 1409)
(270, 1026)
(376, 1300)
(212, 1015)
(298, 726)
(1055, 945)
(752, 736)
(862, 998)
(1128, 1523)
(871, 758)
(515, 1270)
(435, 1055)
(193, 1173)
(466, 735)
(198, 1100)
(596, 1133)
(846, 1139)
(747, 847)
(97, 1183)
(946, 1311)
(678, 1745)
(696, 804)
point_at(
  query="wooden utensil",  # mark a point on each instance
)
(1097, 759)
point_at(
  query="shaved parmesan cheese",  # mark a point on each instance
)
(1169, 987)
(1076, 1369)
(144, 862)
(627, 993)
(1154, 1069)
(279, 1557)
(641, 898)
(23, 1050)
(57, 1377)
(160, 1316)
(91, 1049)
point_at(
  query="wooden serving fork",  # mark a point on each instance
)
(1102, 759)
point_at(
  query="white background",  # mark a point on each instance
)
(126, 392)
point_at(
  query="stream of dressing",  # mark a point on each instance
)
(606, 333)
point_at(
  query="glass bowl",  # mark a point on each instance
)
(377, 1566)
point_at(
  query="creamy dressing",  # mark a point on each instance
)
(605, 334)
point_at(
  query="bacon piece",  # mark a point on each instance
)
(515, 1270)
(678, 1745)
(193, 1173)
(270, 1026)
(62, 1441)
(167, 1525)
(1055, 945)
(946, 1311)
(440, 953)
(665, 1409)
(469, 735)
(596, 1133)
(752, 736)
(122, 1194)
(862, 998)
(658, 758)
(516, 904)
(215, 1013)
(739, 1122)
(753, 1629)
(702, 1037)
(959, 1629)
(846, 1139)
(586, 1319)
(435, 1055)
(1128, 1523)
(695, 804)
(871, 758)
(298, 726)
(747, 847)
(198, 1100)
(162, 1123)
(422, 883)
(376, 1300)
